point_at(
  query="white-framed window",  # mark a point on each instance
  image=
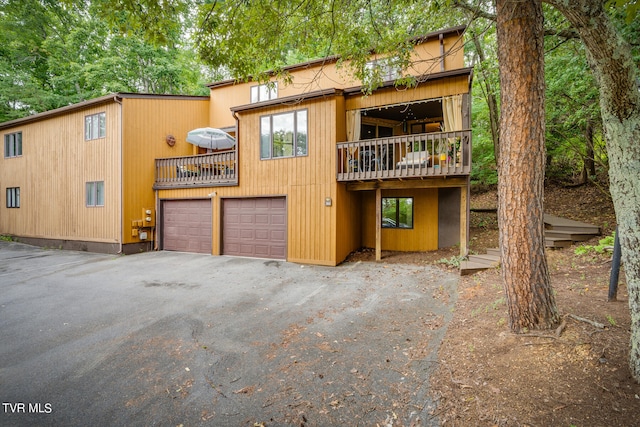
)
(284, 135)
(95, 193)
(95, 126)
(383, 69)
(264, 92)
(13, 144)
(397, 212)
(13, 197)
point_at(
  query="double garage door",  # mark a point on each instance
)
(254, 227)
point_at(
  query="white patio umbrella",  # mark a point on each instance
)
(214, 139)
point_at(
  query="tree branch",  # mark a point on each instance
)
(480, 13)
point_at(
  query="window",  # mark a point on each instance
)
(283, 135)
(13, 197)
(95, 126)
(13, 144)
(264, 92)
(95, 193)
(383, 70)
(397, 212)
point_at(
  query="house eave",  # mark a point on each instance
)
(357, 90)
(114, 97)
(289, 100)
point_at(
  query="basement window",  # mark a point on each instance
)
(397, 212)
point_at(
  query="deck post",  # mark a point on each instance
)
(464, 220)
(378, 224)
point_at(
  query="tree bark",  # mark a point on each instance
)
(525, 273)
(613, 67)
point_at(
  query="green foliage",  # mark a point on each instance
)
(454, 261)
(53, 54)
(6, 238)
(600, 248)
(251, 38)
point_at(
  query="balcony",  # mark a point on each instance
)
(423, 155)
(205, 170)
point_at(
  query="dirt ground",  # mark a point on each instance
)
(577, 376)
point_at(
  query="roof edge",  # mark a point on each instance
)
(291, 100)
(115, 97)
(427, 78)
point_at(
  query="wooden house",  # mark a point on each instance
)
(319, 169)
(81, 177)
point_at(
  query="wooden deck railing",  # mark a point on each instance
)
(406, 156)
(204, 170)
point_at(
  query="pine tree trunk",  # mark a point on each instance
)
(525, 274)
(613, 67)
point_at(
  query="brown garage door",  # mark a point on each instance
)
(255, 227)
(186, 225)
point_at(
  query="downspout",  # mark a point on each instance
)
(237, 169)
(154, 234)
(118, 101)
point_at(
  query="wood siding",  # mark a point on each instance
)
(55, 165)
(320, 76)
(306, 182)
(423, 236)
(146, 124)
(425, 91)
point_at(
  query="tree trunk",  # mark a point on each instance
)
(525, 274)
(613, 67)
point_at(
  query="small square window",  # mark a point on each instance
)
(13, 144)
(264, 92)
(397, 212)
(13, 197)
(95, 193)
(95, 126)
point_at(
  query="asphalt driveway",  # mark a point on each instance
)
(168, 338)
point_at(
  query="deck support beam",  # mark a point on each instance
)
(378, 224)
(464, 221)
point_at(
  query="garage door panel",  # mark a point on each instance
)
(260, 231)
(278, 236)
(262, 235)
(186, 225)
(262, 218)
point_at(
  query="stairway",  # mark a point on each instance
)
(558, 233)
(562, 232)
(477, 263)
